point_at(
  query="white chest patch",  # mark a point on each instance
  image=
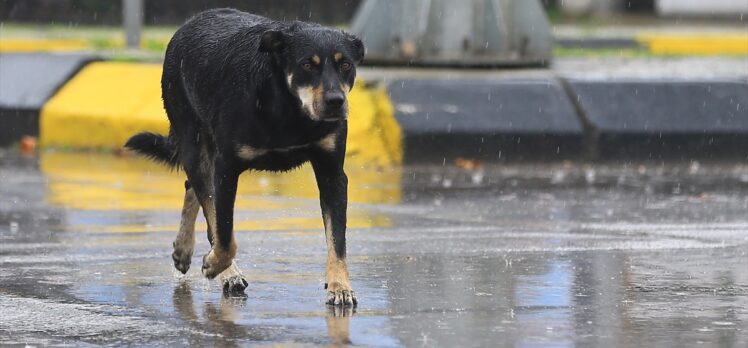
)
(249, 153)
(328, 143)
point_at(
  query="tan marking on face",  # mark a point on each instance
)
(345, 88)
(306, 96)
(249, 153)
(310, 98)
(337, 269)
(338, 56)
(316, 59)
(319, 94)
(328, 143)
(289, 79)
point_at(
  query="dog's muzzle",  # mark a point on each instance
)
(335, 106)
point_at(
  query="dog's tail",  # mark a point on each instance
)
(154, 146)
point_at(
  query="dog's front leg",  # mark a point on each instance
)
(333, 193)
(223, 251)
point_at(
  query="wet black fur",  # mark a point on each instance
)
(224, 86)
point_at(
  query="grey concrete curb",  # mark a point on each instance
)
(486, 119)
(664, 118)
(443, 119)
(28, 81)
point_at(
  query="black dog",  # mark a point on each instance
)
(245, 92)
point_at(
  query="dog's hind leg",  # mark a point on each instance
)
(198, 163)
(185, 241)
(222, 254)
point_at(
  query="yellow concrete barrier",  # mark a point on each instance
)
(107, 102)
(673, 44)
(42, 45)
(103, 105)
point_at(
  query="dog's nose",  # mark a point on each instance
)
(334, 99)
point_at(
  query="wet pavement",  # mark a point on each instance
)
(523, 254)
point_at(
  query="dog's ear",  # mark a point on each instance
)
(271, 41)
(358, 49)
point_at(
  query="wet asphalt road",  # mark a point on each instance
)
(526, 255)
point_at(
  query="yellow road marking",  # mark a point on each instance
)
(730, 44)
(42, 45)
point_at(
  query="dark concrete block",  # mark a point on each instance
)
(660, 119)
(593, 43)
(487, 119)
(27, 82)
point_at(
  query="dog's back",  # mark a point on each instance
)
(197, 71)
(196, 59)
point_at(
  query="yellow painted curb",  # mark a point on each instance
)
(103, 105)
(733, 44)
(374, 136)
(42, 45)
(107, 102)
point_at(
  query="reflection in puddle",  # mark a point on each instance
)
(219, 320)
(338, 325)
(92, 184)
(543, 303)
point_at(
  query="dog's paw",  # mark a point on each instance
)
(235, 285)
(233, 280)
(214, 265)
(338, 295)
(182, 259)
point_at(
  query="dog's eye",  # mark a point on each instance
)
(307, 66)
(345, 66)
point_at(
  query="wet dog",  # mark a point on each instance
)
(244, 92)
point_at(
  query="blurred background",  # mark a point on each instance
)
(331, 12)
(521, 173)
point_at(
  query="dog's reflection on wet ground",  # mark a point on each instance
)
(338, 322)
(219, 320)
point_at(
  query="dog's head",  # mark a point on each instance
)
(319, 65)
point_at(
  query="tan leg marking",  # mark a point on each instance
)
(217, 259)
(339, 291)
(185, 241)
